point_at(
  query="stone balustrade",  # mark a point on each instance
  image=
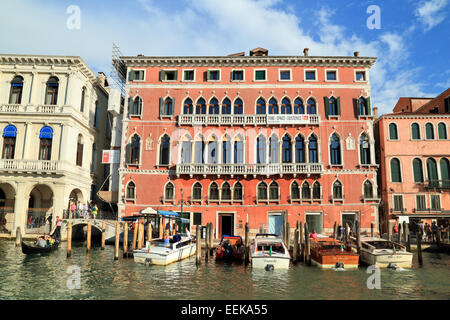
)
(247, 119)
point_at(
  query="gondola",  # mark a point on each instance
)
(32, 249)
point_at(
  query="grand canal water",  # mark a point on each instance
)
(23, 277)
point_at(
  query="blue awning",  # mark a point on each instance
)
(46, 133)
(168, 214)
(10, 131)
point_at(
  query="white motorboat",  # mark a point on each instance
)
(384, 253)
(158, 253)
(269, 252)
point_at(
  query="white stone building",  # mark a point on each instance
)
(53, 126)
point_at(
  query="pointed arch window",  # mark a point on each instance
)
(197, 191)
(316, 190)
(337, 190)
(364, 106)
(200, 107)
(417, 170)
(187, 108)
(287, 149)
(131, 190)
(299, 149)
(226, 106)
(261, 149)
(286, 107)
(273, 149)
(313, 152)
(238, 106)
(169, 191)
(15, 96)
(80, 147)
(415, 131)
(311, 106)
(395, 170)
(298, 106)
(442, 131)
(273, 191)
(364, 149)
(9, 141)
(212, 152)
(262, 191)
(273, 106)
(226, 191)
(45, 144)
(295, 191)
(238, 152)
(226, 151)
(133, 150)
(168, 106)
(306, 190)
(368, 190)
(333, 106)
(238, 191)
(51, 92)
(214, 191)
(261, 106)
(393, 134)
(214, 106)
(335, 149)
(199, 152)
(164, 151)
(429, 131)
(136, 108)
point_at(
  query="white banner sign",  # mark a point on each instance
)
(110, 156)
(288, 119)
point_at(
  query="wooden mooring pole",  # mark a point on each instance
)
(198, 245)
(371, 229)
(247, 240)
(211, 239)
(125, 239)
(302, 247)
(69, 239)
(307, 257)
(141, 235)
(358, 236)
(295, 249)
(133, 245)
(103, 234)
(116, 244)
(419, 246)
(149, 232)
(408, 238)
(207, 242)
(89, 234)
(288, 236)
(335, 230)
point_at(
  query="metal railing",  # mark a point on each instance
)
(437, 184)
(258, 169)
(79, 214)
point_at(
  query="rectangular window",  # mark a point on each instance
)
(285, 75)
(421, 203)
(435, 202)
(360, 76)
(169, 75)
(188, 75)
(237, 75)
(331, 75)
(139, 75)
(213, 75)
(314, 221)
(398, 203)
(260, 75)
(310, 75)
(447, 105)
(197, 218)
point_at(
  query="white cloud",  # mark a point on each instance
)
(205, 27)
(431, 13)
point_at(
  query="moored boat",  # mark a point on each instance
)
(330, 253)
(384, 253)
(230, 248)
(269, 252)
(158, 253)
(33, 249)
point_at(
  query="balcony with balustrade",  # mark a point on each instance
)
(249, 169)
(44, 167)
(247, 119)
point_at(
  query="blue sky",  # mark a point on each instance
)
(412, 45)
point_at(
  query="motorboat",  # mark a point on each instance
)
(384, 253)
(269, 252)
(327, 252)
(159, 253)
(230, 248)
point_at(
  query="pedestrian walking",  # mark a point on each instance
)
(94, 211)
(49, 220)
(73, 208)
(85, 210)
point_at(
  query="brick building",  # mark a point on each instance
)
(257, 138)
(414, 159)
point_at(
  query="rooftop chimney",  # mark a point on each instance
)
(356, 53)
(306, 52)
(140, 55)
(375, 112)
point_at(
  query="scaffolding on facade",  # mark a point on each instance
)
(118, 70)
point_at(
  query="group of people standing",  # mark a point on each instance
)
(86, 210)
(430, 232)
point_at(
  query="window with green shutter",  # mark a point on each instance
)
(260, 75)
(421, 202)
(432, 171)
(395, 170)
(442, 131)
(429, 131)
(445, 172)
(393, 134)
(417, 170)
(327, 106)
(435, 202)
(415, 131)
(398, 203)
